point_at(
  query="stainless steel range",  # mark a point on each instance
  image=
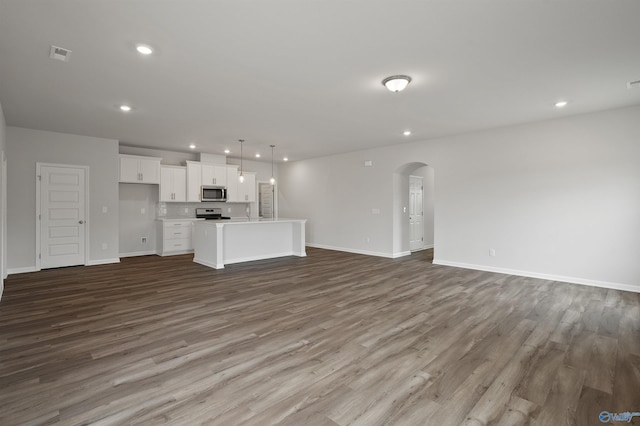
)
(210, 214)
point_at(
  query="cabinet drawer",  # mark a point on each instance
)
(177, 223)
(177, 232)
(177, 244)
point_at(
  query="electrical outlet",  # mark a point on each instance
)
(104, 209)
(104, 246)
(143, 240)
(367, 240)
(492, 252)
(186, 209)
(143, 211)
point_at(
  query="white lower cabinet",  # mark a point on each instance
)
(175, 237)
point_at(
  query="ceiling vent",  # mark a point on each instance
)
(633, 84)
(60, 53)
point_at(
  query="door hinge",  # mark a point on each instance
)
(422, 239)
(40, 177)
(422, 188)
(39, 217)
(39, 256)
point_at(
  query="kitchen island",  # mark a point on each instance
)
(217, 243)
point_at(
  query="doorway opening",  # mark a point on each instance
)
(414, 206)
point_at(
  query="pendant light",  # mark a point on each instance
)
(241, 177)
(272, 180)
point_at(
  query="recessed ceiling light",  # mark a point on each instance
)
(192, 146)
(285, 159)
(144, 49)
(561, 104)
(407, 132)
(257, 155)
(226, 151)
(125, 108)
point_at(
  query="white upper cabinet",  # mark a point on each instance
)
(214, 174)
(194, 181)
(173, 183)
(139, 169)
(247, 189)
(232, 183)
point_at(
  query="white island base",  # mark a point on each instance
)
(219, 243)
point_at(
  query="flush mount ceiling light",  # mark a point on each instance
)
(125, 108)
(396, 83)
(561, 104)
(192, 146)
(226, 151)
(143, 49)
(407, 133)
(285, 159)
(257, 155)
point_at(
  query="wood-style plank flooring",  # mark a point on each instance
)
(330, 339)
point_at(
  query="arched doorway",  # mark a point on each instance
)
(405, 197)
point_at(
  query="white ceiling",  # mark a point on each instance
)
(306, 75)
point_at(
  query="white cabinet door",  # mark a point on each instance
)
(232, 183)
(179, 177)
(129, 170)
(194, 181)
(173, 183)
(220, 175)
(149, 171)
(139, 169)
(213, 174)
(247, 189)
(166, 192)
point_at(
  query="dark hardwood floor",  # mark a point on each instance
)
(330, 339)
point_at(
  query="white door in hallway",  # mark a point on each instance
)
(416, 213)
(62, 215)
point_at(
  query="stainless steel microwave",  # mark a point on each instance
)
(213, 193)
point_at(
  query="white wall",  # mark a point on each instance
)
(3, 202)
(556, 199)
(26, 147)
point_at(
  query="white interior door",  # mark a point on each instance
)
(62, 216)
(416, 213)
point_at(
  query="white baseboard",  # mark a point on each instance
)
(102, 262)
(209, 264)
(356, 251)
(400, 254)
(22, 270)
(138, 253)
(427, 247)
(260, 257)
(561, 278)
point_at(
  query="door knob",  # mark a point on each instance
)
(81, 222)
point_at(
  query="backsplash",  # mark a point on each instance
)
(189, 209)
